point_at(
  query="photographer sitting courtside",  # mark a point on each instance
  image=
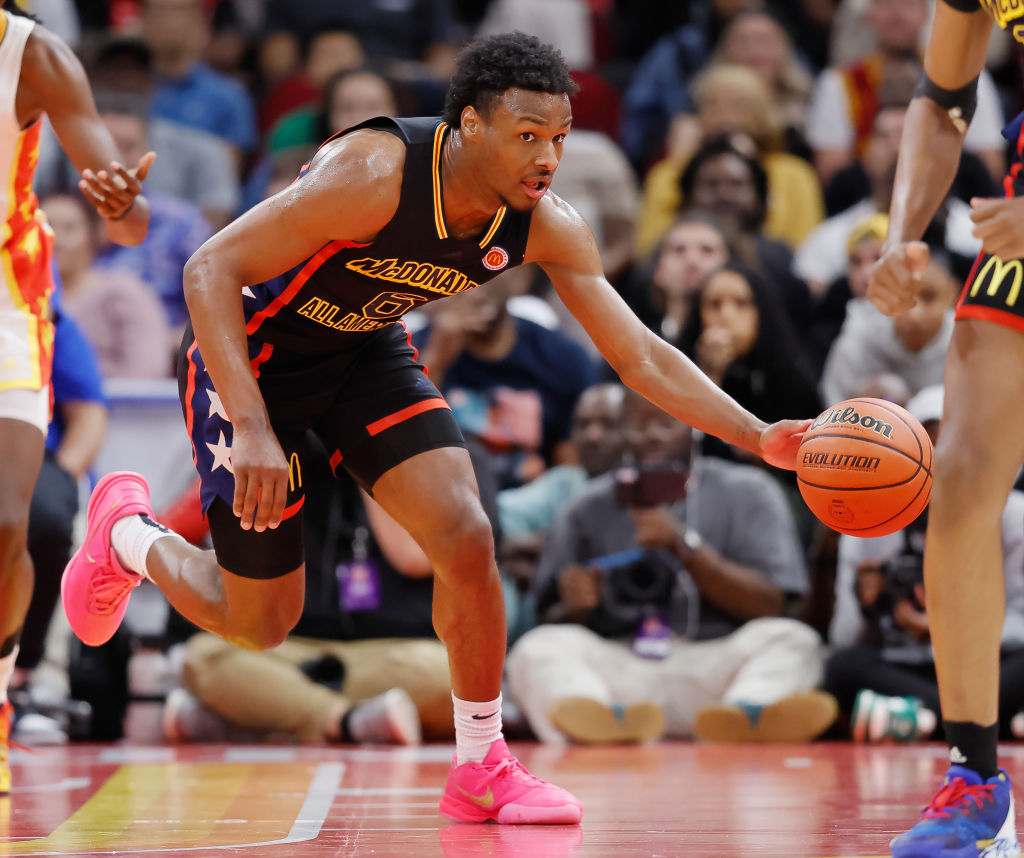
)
(663, 588)
(882, 668)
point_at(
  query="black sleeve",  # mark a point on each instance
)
(964, 5)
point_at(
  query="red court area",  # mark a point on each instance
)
(671, 799)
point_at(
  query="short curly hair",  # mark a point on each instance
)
(486, 67)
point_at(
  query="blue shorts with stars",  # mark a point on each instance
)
(371, 407)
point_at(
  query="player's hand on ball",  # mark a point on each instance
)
(261, 478)
(113, 191)
(897, 276)
(780, 441)
(998, 223)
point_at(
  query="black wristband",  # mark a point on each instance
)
(959, 104)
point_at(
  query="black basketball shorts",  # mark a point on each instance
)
(372, 409)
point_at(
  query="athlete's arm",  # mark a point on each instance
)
(350, 192)
(53, 81)
(929, 154)
(563, 245)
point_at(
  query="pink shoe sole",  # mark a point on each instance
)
(513, 814)
(111, 501)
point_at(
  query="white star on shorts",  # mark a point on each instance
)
(221, 454)
(216, 406)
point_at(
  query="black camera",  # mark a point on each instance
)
(649, 486)
(636, 582)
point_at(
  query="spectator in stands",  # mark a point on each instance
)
(729, 99)
(662, 292)
(118, 312)
(349, 97)
(846, 99)
(701, 585)
(496, 371)
(725, 179)
(912, 344)
(187, 90)
(414, 40)
(194, 165)
(740, 337)
(882, 670)
(660, 85)
(821, 257)
(176, 227)
(76, 433)
(863, 250)
(333, 48)
(363, 647)
(527, 512)
(756, 39)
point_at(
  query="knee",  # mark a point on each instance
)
(269, 627)
(13, 534)
(964, 468)
(469, 546)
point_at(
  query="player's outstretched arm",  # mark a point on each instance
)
(53, 82)
(563, 245)
(930, 148)
(349, 193)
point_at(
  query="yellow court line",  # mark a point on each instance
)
(158, 806)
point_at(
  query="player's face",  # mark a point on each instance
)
(690, 252)
(521, 141)
(728, 302)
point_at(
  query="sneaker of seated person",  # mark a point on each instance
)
(794, 719)
(390, 718)
(881, 718)
(590, 722)
(501, 789)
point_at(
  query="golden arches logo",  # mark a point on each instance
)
(294, 472)
(999, 271)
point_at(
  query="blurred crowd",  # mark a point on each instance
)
(735, 160)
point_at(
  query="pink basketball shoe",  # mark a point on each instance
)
(500, 788)
(95, 587)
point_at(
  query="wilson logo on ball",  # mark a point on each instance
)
(496, 258)
(851, 416)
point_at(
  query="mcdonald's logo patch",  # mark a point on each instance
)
(294, 472)
(994, 274)
(496, 258)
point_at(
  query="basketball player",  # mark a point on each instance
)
(295, 314)
(39, 74)
(981, 446)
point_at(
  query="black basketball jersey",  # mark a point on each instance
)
(346, 290)
(1008, 14)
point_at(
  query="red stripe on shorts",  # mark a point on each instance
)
(379, 426)
(190, 391)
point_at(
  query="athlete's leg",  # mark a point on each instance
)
(434, 497)
(979, 452)
(21, 456)
(978, 455)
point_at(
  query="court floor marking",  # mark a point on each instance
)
(134, 788)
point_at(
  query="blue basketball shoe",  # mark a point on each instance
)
(968, 818)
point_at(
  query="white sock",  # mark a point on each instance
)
(6, 671)
(475, 735)
(133, 536)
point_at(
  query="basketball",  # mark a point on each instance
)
(864, 467)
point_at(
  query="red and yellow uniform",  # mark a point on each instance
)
(26, 332)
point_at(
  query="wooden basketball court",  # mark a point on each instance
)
(672, 799)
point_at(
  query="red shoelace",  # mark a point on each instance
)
(955, 795)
